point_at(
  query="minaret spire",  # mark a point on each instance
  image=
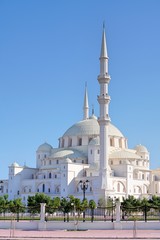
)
(104, 53)
(104, 119)
(86, 105)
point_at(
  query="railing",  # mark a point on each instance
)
(140, 213)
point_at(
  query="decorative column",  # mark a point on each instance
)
(118, 211)
(117, 223)
(42, 213)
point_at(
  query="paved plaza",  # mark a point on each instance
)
(87, 234)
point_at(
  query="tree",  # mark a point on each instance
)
(16, 206)
(4, 204)
(53, 205)
(92, 206)
(102, 203)
(130, 205)
(145, 207)
(65, 206)
(33, 207)
(33, 202)
(80, 206)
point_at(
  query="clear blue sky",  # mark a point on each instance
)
(49, 49)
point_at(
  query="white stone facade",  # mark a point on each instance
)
(92, 149)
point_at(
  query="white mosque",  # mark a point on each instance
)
(92, 158)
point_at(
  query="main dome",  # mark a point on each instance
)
(90, 127)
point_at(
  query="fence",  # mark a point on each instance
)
(112, 213)
(140, 213)
(98, 214)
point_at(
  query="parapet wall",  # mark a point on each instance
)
(98, 225)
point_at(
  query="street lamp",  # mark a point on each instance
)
(84, 186)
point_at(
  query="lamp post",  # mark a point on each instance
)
(112, 211)
(84, 186)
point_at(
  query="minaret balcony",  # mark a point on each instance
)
(104, 99)
(104, 78)
(104, 120)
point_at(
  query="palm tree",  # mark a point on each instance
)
(145, 207)
(65, 206)
(130, 205)
(4, 204)
(92, 206)
(16, 206)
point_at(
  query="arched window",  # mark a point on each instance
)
(120, 142)
(62, 143)
(70, 142)
(118, 187)
(156, 188)
(43, 188)
(111, 142)
(50, 175)
(84, 173)
(80, 141)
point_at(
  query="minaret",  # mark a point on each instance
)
(86, 105)
(104, 119)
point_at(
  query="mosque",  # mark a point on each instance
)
(92, 160)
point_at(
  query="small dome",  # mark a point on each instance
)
(45, 147)
(15, 164)
(94, 141)
(123, 154)
(65, 153)
(68, 160)
(93, 117)
(141, 149)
